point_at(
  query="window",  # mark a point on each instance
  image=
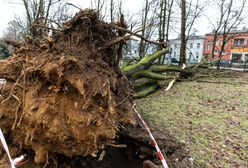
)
(237, 57)
(246, 58)
(198, 45)
(208, 45)
(197, 54)
(239, 42)
(191, 45)
(190, 55)
(215, 51)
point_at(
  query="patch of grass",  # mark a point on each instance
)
(212, 118)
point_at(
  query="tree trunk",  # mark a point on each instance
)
(221, 51)
(146, 90)
(164, 68)
(168, 19)
(111, 11)
(183, 34)
(214, 43)
(162, 23)
(144, 63)
(148, 74)
(144, 21)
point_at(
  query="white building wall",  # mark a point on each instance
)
(194, 51)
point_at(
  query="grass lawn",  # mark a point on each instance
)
(209, 115)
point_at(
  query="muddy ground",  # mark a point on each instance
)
(134, 148)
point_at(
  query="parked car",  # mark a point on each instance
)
(174, 61)
(223, 62)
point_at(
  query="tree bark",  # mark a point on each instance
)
(111, 11)
(183, 34)
(148, 74)
(168, 19)
(144, 63)
(145, 91)
(164, 68)
(144, 21)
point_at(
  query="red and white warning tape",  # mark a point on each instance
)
(160, 155)
(14, 162)
(5, 146)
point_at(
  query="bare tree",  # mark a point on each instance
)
(60, 15)
(164, 23)
(100, 6)
(194, 11)
(170, 5)
(189, 13)
(148, 24)
(112, 10)
(40, 13)
(230, 16)
(183, 33)
(15, 30)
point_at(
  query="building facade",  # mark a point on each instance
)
(199, 46)
(132, 48)
(194, 48)
(239, 49)
(236, 49)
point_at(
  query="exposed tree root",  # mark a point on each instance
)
(65, 97)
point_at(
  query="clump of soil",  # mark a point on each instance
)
(67, 94)
(65, 100)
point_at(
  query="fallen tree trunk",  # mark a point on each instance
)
(166, 68)
(144, 63)
(143, 82)
(145, 91)
(147, 69)
(148, 74)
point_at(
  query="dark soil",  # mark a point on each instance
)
(138, 150)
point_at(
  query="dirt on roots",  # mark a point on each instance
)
(68, 96)
(66, 101)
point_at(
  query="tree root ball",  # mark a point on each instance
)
(66, 95)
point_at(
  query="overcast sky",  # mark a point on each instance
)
(11, 8)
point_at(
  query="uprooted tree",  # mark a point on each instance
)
(67, 95)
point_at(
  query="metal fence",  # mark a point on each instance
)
(237, 66)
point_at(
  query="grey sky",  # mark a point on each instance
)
(10, 8)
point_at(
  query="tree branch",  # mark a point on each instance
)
(138, 35)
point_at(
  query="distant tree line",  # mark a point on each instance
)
(4, 51)
(155, 20)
